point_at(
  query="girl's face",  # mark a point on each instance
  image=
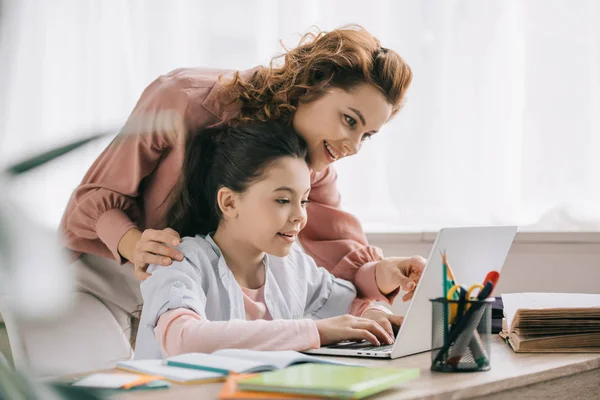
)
(336, 124)
(272, 211)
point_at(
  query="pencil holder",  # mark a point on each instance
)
(460, 335)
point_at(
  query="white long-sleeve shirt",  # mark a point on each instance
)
(295, 291)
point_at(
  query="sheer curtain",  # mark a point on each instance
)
(501, 124)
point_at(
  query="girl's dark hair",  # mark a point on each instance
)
(226, 156)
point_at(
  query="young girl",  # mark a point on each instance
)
(243, 282)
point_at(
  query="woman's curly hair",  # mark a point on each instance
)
(342, 58)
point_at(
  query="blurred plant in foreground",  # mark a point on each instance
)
(35, 279)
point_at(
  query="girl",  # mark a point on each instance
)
(243, 283)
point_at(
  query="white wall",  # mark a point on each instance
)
(537, 262)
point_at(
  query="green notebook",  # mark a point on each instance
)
(329, 380)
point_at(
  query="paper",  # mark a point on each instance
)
(538, 301)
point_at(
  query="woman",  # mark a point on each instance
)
(336, 89)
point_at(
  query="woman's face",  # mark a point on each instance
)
(335, 125)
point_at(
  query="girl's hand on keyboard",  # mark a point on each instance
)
(349, 327)
(386, 320)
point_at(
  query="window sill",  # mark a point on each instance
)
(522, 237)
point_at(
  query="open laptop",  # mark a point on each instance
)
(472, 252)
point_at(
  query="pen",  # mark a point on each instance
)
(461, 304)
(492, 276)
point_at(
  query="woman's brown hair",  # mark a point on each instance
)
(342, 58)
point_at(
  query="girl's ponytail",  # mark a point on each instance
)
(193, 211)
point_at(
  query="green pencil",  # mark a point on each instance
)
(444, 302)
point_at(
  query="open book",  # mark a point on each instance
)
(552, 322)
(245, 361)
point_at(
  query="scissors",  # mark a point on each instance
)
(456, 310)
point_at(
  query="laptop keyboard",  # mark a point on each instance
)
(364, 345)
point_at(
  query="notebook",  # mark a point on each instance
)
(245, 361)
(552, 322)
(329, 380)
(171, 373)
(120, 381)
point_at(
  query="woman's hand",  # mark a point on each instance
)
(403, 272)
(349, 327)
(385, 320)
(150, 247)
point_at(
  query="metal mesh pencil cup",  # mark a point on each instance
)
(464, 344)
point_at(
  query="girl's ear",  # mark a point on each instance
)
(227, 202)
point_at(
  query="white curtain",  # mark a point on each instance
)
(501, 124)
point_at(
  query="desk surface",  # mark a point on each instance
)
(509, 371)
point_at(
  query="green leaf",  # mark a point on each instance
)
(43, 158)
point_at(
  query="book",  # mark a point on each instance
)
(552, 322)
(170, 373)
(497, 315)
(120, 382)
(329, 380)
(245, 361)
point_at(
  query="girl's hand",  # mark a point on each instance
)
(387, 321)
(403, 272)
(150, 247)
(349, 327)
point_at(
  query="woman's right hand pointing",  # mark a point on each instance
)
(150, 247)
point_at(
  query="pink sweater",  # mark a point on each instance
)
(129, 184)
(183, 331)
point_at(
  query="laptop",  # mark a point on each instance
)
(472, 252)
